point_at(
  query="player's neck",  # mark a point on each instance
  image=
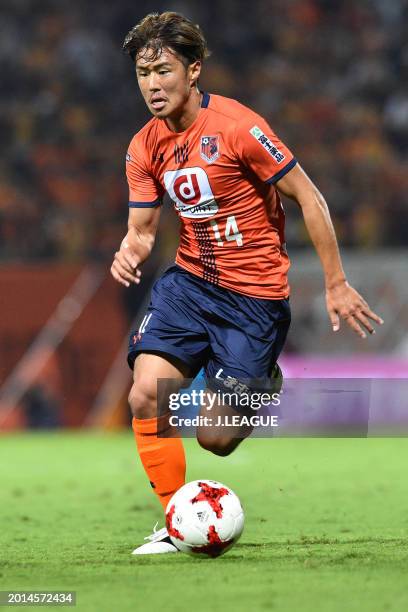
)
(188, 115)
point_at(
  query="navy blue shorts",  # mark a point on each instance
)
(207, 326)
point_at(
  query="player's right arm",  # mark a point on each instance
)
(145, 198)
(262, 151)
(342, 300)
(136, 245)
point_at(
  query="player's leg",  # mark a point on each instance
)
(170, 344)
(218, 439)
(223, 439)
(246, 344)
(161, 454)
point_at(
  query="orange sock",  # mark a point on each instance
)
(163, 458)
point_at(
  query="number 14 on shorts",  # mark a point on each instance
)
(231, 232)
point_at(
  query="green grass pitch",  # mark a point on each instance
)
(326, 525)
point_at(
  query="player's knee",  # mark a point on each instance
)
(218, 445)
(143, 401)
(223, 449)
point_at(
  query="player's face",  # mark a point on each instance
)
(166, 83)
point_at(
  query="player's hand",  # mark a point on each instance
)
(124, 268)
(344, 302)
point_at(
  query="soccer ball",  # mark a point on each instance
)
(204, 517)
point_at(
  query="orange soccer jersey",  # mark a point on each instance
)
(220, 174)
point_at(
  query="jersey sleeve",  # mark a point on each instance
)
(261, 150)
(144, 190)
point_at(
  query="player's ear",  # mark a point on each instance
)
(194, 72)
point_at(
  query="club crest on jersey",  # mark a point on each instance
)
(209, 148)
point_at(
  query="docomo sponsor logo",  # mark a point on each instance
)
(190, 190)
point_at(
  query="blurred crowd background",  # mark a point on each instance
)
(331, 77)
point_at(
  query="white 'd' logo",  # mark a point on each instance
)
(190, 190)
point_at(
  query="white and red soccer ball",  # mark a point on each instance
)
(204, 517)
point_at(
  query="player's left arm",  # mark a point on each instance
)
(342, 300)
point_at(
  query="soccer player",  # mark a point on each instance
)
(224, 304)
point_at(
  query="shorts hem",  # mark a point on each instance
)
(160, 348)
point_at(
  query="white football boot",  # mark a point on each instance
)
(159, 543)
